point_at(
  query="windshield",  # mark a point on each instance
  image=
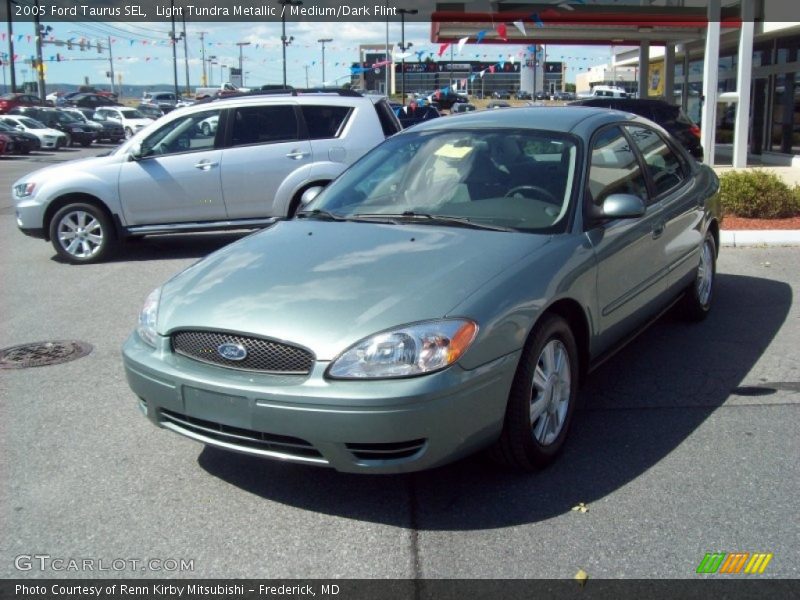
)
(132, 114)
(77, 116)
(63, 117)
(519, 179)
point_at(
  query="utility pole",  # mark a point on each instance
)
(389, 65)
(39, 63)
(111, 65)
(186, 56)
(203, 56)
(284, 40)
(174, 51)
(11, 60)
(323, 42)
(403, 47)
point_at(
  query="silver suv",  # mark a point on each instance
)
(230, 163)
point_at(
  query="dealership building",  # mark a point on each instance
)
(732, 64)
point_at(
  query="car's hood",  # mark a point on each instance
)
(69, 168)
(138, 122)
(326, 285)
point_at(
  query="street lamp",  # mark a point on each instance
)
(323, 42)
(284, 40)
(241, 70)
(222, 73)
(403, 47)
(212, 60)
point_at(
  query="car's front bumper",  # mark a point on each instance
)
(385, 426)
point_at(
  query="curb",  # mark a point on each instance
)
(769, 237)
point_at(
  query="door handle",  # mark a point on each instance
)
(296, 154)
(205, 165)
(658, 230)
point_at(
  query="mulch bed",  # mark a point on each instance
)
(732, 223)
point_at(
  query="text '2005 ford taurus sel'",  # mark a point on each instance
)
(447, 293)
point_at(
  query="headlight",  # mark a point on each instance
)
(413, 350)
(148, 317)
(23, 190)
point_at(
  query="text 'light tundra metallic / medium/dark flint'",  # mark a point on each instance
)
(447, 293)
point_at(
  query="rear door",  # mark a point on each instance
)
(682, 205)
(630, 272)
(177, 180)
(264, 149)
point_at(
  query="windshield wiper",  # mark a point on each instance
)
(323, 215)
(434, 219)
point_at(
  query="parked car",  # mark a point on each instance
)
(501, 95)
(131, 120)
(448, 292)
(88, 103)
(446, 100)
(6, 145)
(48, 138)
(462, 108)
(209, 126)
(9, 101)
(23, 142)
(498, 104)
(541, 95)
(267, 153)
(411, 115)
(75, 130)
(564, 96)
(105, 131)
(523, 95)
(669, 116)
(152, 111)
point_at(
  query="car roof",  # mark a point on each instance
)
(576, 119)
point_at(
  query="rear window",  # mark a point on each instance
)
(388, 119)
(325, 121)
(264, 124)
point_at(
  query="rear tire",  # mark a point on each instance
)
(697, 299)
(82, 233)
(542, 398)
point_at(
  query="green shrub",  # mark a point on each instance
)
(757, 194)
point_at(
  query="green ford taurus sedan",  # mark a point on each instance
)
(447, 293)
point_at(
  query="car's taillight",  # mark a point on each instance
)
(695, 130)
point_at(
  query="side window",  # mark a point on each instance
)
(264, 125)
(389, 122)
(325, 121)
(184, 134)
(663, 166)
(614, 168)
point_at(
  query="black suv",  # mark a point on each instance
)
(669, 116)
(76, 131)
(445, 100)
(87, 103)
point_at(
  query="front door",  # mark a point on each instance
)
(177, 177)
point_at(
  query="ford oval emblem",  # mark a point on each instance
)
(230, 351)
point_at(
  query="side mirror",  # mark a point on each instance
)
(623, 206)
(135, 151)
(309, 195)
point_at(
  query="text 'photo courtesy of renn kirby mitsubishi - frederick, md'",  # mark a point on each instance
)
(502, 291)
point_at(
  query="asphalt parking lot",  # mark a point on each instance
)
(686, 443)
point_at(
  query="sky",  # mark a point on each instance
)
(143, 55)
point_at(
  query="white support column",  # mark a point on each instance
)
(669, 73)
(708, 118)
(644, 67)
(743, 81)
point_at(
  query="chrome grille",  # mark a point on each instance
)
(244, 440)
(266, 356)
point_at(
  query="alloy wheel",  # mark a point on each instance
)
(80, 234)
(550, 394)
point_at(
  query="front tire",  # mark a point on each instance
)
(128, 133)
(542, 398)
(82, 233)
(697, 299)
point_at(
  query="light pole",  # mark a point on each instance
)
(306, 68)
(284, 40)
(403, 47)
(323, 42)
(11, 59)
(212, 60)
(241, 70)
(174, 41)
(222, 73)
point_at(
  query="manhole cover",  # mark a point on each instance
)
(40, 354)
